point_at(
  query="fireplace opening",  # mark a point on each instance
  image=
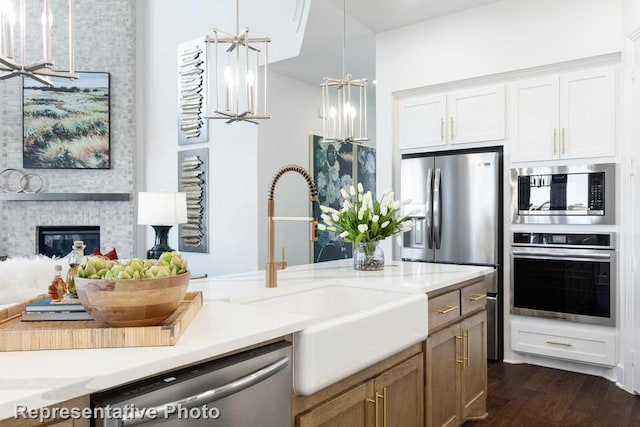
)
(58, 240)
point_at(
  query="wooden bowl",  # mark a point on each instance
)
(135, 302)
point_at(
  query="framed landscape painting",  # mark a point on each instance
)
(67, 126)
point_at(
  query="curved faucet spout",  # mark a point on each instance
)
(272, 265)
(313, 193)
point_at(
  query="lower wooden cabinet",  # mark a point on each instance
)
(443, 378)
(350, 409)
(399, 395)
(456, 372)
(394, 398)
(474, 369)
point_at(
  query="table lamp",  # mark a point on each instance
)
(161, 210)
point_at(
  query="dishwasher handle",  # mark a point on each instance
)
(235, 386)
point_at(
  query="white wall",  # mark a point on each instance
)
(233, 149)
(282, 140)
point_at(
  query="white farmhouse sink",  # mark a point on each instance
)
(353, 328)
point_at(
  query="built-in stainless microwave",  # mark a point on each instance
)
(575, 194)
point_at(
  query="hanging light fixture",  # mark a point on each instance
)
(233, 89)
(41, 71)
(344, 103)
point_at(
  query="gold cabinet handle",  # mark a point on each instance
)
(384, 407)
(476, 297)
(442, 129)
(564, 145)
(564, 344)
(375, 402)
(466, 340)
(461, 338)
(555, 142)
(452, 136)
(447, 309)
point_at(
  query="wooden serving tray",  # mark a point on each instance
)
(16, 335)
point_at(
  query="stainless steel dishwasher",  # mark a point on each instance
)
(252, 388)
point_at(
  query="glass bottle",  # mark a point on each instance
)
(75, 259)
(57, 288)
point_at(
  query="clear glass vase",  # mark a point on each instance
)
(368, 256)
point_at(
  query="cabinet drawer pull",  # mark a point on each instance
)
(466, 340)
(458, 347)
(555, 143)
(565, 344)
(384, 407)
(563, 142)
(375, 402)
(452, 135)
(447, 309)
(442, 129)
(476, 297)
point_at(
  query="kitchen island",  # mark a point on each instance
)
(224, 325)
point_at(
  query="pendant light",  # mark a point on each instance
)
(41, 71)
(344, 103)
(232, 90)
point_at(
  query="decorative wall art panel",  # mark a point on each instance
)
(334, 164)
(366, 168)
(332, 168)
(193, 127)
(193, 179)
(67, 126)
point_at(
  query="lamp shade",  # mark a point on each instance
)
(161, 208)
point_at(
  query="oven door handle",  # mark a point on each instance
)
(563, 257)
(161, 412)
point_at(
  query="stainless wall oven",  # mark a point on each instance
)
(576, 194)
(568, 276)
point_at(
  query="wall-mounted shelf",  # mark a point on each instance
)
(66, 197)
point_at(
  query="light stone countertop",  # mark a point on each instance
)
(42, 378)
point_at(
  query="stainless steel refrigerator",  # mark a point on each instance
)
(458, 199)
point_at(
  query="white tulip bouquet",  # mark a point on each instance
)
(362, 219)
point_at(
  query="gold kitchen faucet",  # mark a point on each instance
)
(272, 265)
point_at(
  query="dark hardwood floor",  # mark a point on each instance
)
(531, 396)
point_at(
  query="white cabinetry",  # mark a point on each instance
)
(564, 117)
(476, 115)
(464, 116)
(422, 121)
(535, 119)
(564, 340)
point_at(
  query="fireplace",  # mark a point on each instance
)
(58, 240)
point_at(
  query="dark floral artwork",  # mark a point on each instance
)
(66, 126)
(366, 169)
(334, 164)
(332, 170)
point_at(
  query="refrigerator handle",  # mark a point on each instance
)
(437, 206)
(429, 208)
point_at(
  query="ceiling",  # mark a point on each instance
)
(321, 52)
(385, 15)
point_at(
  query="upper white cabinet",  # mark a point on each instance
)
(570, 116)
(422, 121)
(535, 119)
(475, 115)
